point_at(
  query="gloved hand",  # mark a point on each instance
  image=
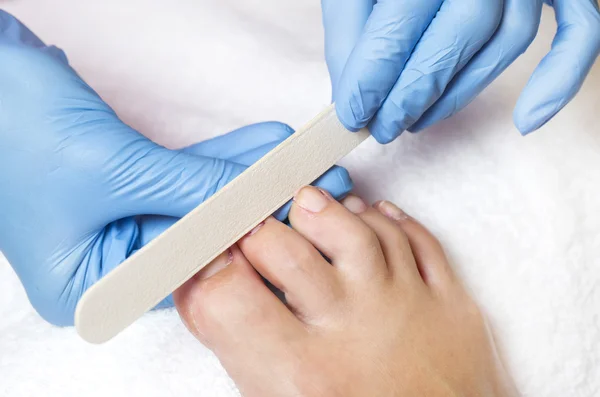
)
(80, 191)
(398, 65)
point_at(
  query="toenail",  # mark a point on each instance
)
(312, 199)
(391, 211)
(220, 263)
(326, 193)
(355, 204)
(256, 229)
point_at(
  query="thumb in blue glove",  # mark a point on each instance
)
(81, 190)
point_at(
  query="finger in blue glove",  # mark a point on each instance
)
(554, 83)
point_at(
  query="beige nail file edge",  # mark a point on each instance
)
(163, 265)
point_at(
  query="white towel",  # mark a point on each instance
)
(520, 217)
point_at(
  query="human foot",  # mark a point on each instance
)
(386, 316)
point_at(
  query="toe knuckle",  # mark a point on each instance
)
(302, 262)
(210, 297)
(364, 236)
(222, 300)
(398, 239)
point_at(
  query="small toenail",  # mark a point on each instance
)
(220, 263)
(312, 199)
(355, 204)
(391, 211)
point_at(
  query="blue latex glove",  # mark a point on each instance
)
(80, 191)
(398, 65)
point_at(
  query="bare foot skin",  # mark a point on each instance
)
(387, 317)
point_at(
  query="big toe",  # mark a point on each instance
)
(228, 307)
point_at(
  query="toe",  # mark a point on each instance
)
(293, 265)
(350, 244)
(227, 304)
(395, 245)
(427, 250)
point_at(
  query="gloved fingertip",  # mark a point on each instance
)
(528, 122)
(345, 179)
(417, 127)
(523, 128)
(524, 132)
(424, 122)
(523, 124)
(528, 125)
(527, 129)
(381, 134)
(354, 110)
(387, 139)
(336, 181)
(350, 126)
(340, 188)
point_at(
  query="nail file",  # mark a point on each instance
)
(167, 262)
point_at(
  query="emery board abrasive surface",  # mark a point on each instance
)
(167, 262)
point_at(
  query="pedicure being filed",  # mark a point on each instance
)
(391, 211)
(355, 204)
(312, 199)
(220, 263)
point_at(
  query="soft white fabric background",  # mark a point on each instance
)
(520, 217)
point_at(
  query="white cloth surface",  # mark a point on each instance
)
(519, 217)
